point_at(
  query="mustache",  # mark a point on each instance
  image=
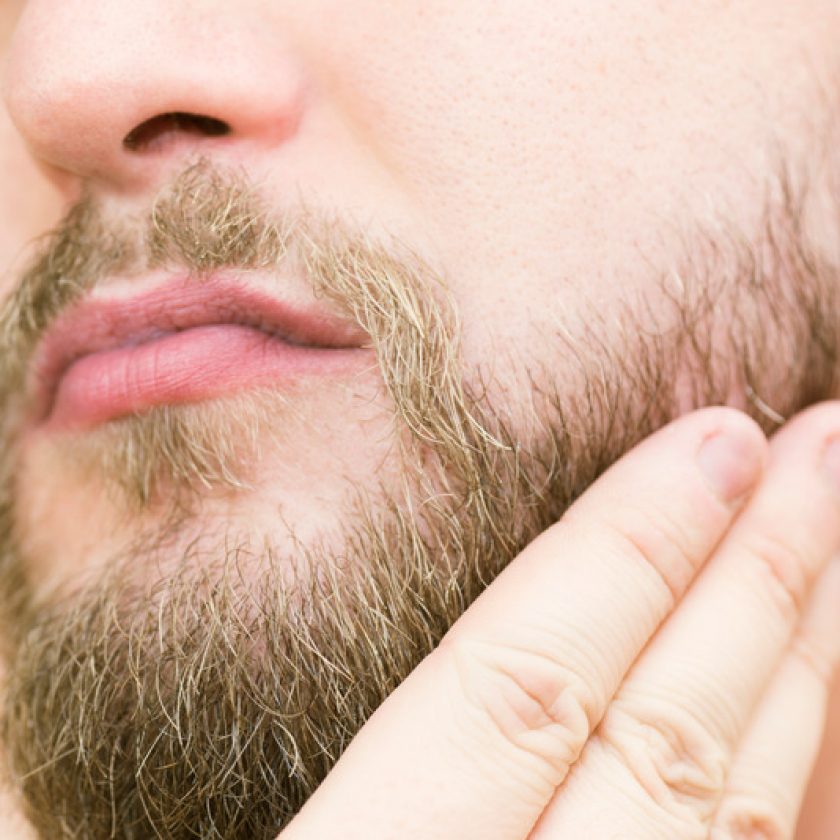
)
(208, 219)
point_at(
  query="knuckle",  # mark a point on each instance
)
(660, 542)
(538, 708)
(783, 565)
(749, 818)
(815, 658)
(677, 761)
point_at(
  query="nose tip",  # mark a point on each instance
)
(95, 99)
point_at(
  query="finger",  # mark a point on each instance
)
(475, 742)
(12, 824)
(669, 736)
(766, 785)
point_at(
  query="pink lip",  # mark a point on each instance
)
(182, 342)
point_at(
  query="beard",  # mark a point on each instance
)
(210, 699)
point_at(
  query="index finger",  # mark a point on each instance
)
(477, 739)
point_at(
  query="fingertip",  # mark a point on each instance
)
(817, 422)
(731, 450)
(732, 460)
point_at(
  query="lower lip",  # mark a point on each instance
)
(186, 367)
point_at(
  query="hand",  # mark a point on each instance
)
(572, 701)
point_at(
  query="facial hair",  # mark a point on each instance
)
(212, 702)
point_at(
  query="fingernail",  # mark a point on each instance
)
(731, 462)
(831, 458)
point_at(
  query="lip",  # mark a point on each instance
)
(182, 341)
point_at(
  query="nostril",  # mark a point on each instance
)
(154, 133)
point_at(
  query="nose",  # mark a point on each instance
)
(115, 91)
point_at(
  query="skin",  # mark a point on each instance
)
(545, 160)
(30, 202)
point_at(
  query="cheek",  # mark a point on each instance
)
(558, 153)
(492, 120)
(29, 205)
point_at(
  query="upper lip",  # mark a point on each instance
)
(95, 325)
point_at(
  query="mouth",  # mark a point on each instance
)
(181, 342)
